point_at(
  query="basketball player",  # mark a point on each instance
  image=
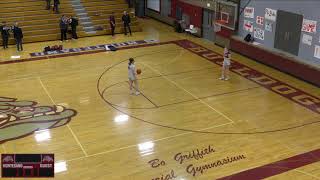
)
(132, 77)
(226, 65)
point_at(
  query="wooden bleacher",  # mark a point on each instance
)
(99, 14)
(39, 24)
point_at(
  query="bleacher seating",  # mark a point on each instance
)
(39, 24)
(99, 14)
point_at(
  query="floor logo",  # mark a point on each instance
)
(22, 118)
(91, 48)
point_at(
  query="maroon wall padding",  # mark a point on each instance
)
(173, 8)
(225, 32)
(282, 63)
(194, 12)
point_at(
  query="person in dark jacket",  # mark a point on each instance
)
(112, 21)
(74, 23)
(64, 21)
(126, 22)
(56, 6)
(5, 34)
(48, 4)
(18, 36)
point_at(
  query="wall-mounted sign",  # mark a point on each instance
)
(269, 26)
(258, 33)
(270, 14)
(260, 20)
(309, 26)
(317, 52)
(249, 12)
(248, 25)
(307, 39)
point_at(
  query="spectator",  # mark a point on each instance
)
(5, 34)
(64, 27)
(126, 22)
(112, 23)
(74, 23)
(56, 6)
(17, 33)
(48, 4)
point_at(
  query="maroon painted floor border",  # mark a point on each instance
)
(279, 87)
(296, 95)
(300, 97)
(276, 167)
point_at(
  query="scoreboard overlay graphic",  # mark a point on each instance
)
(27, 165)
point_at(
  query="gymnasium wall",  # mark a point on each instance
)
(277, 60)
(194, 12)
(173, 8)
(168, 12)
(165, 14)
(308, 8)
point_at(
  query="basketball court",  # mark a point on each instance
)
(186, 123)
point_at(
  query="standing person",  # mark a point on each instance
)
(132, 77)
(63, 27)
(56, 6)
(74, 23)
(18, 35)
(226, 64)
(112, 21)
(5, 34)
(126, 22)
(48, 4)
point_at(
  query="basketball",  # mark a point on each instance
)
(138, 71)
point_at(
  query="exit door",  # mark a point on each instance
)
(208, 25)
(288, 31)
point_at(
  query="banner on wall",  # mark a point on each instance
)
(258, 33)
(317, 52)
(249, 12)
(309, 26)
(269, 26)
(248, 25)
(307, 39)
(260, 20)
(270, 14)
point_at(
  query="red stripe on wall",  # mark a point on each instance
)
(284, 64)
(194, 12)
(173, 8)
(225, 32)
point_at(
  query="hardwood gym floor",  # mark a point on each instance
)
(185, 125)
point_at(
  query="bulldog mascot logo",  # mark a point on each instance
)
(22, 118)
